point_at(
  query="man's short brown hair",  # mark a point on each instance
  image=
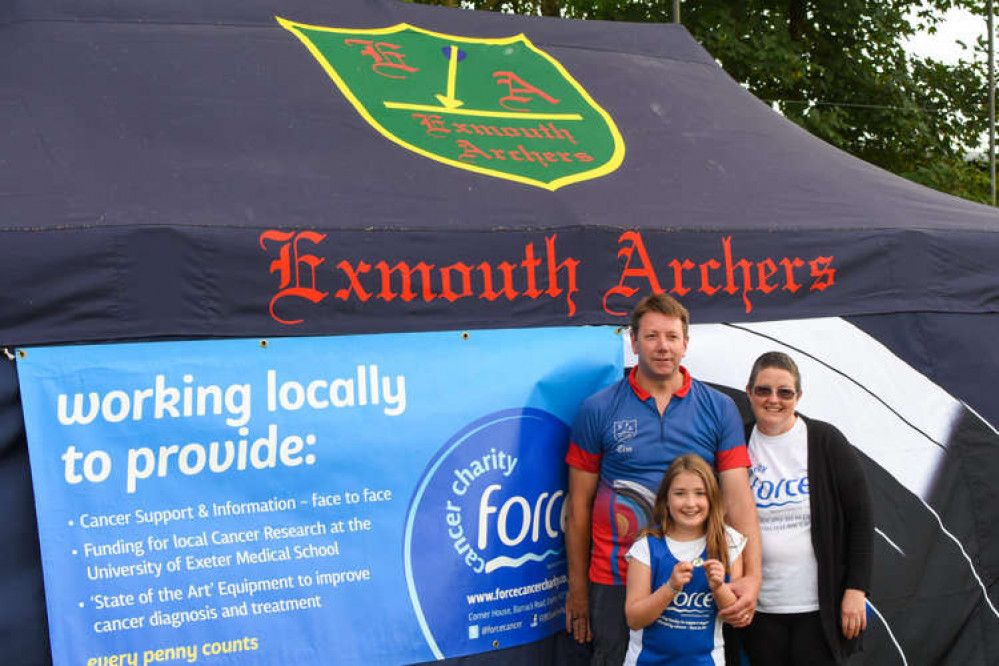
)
(663, 304)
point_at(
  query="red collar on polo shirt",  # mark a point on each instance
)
(644, 395)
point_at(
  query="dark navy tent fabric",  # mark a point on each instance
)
(140, 130)
(156, 159)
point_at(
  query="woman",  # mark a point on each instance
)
(816, 522)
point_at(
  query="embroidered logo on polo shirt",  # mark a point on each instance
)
(625, 430)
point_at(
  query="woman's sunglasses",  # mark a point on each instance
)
(782, 393)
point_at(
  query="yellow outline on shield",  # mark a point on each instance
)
(612, 164)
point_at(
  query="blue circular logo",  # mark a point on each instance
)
(484, 551)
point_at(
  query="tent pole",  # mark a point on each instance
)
(676, 11)
(992, 104)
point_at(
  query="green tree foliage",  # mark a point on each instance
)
(837, 68)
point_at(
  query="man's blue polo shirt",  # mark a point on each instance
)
(620, 434)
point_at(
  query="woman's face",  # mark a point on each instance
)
(774, 399)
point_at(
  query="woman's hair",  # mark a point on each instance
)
(714, 527)
(778, 360)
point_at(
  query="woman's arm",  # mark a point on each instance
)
(855, 496)
(643, 605)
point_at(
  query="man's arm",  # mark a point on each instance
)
(740, 511)
(578, 523)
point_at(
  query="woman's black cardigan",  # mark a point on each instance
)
(842, 526)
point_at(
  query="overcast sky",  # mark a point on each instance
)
(958, 24)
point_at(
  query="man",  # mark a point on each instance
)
(623, 439)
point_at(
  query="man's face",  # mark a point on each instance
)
(659, 344)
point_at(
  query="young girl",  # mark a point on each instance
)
(676, 572)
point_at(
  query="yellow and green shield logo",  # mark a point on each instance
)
(499, 107)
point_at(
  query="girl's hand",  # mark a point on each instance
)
(854, 613)
(682, 573)
(715, 572)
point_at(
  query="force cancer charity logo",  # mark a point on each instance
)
(500, 107)
(484, 553)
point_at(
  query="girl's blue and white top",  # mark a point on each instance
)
(689, 631)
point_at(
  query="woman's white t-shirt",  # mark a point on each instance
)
(779, 480)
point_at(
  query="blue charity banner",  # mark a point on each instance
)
(376, 499)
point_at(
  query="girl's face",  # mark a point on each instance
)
(688, 504)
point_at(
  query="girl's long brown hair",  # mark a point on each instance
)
(715, 524)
